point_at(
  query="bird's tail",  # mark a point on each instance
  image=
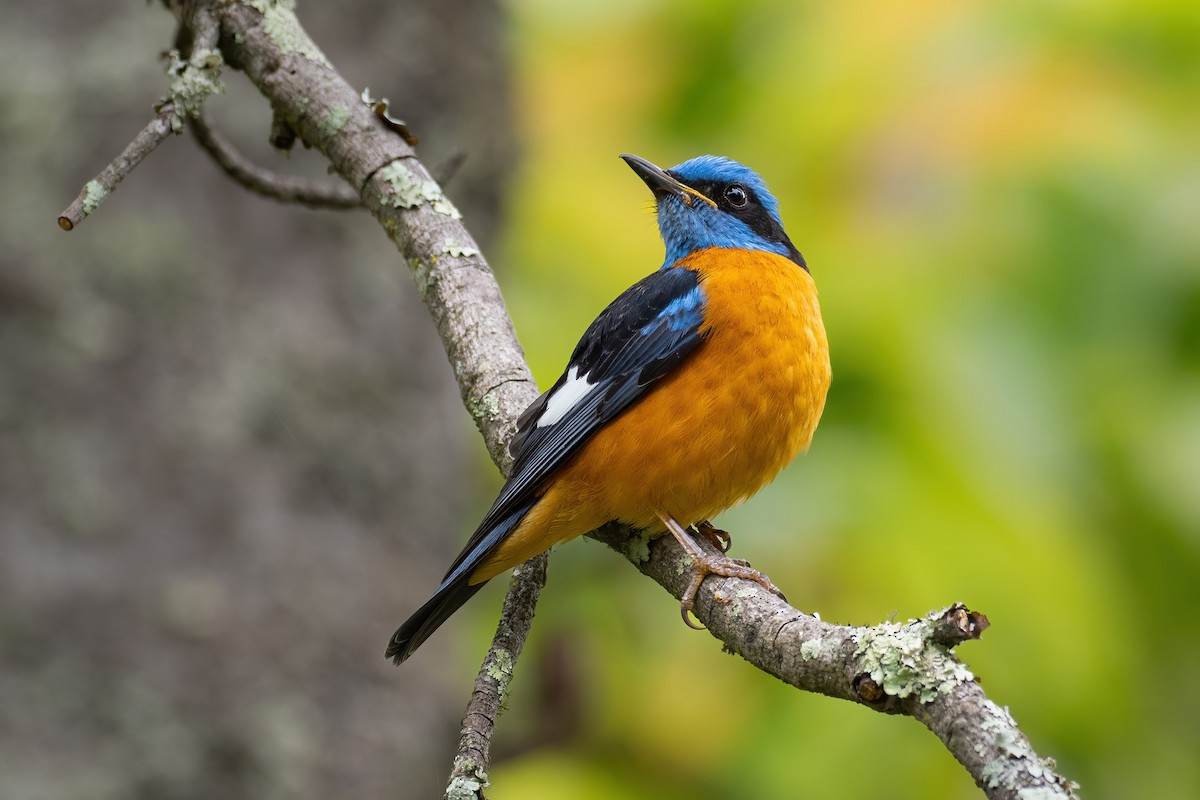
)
(456, 587)
(429, 617)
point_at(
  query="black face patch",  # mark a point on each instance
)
(750, 212)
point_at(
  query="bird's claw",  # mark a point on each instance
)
(715, 536)
(705, 565)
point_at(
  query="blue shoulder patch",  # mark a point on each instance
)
(684, 312)
(641, 336)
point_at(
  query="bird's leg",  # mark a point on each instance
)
(704, 565)
(718, 538)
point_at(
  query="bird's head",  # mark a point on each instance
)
(712, 201)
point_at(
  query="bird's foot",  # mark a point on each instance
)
(704, 564)
(716, 537)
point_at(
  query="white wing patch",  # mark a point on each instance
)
(565, 398)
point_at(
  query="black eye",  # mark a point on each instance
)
(736, 196)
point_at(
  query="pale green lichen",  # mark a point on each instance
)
(409, 192)
(467, 787)
(998, 771)
(1018, 763)
(333, 121)
(93, 195)
(422, 273)
(192, 82)
(812, 648)
(452, 249)
(501, 670)
(485, 407)
(443, 206)
(1001, 725)
(283, 29)
(903, 660)
(1040, 793)
(637, 547)
(463, 788)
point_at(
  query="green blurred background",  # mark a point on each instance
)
(1001, 205)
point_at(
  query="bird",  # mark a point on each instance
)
(688, 394)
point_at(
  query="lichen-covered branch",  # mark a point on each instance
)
(896, 668)
(469, 773)
(97, 189)
(191, 81)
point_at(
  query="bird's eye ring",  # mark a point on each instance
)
(736, 196)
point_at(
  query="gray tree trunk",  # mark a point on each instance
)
(231, 451)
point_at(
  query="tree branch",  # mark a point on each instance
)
(190, 81)
(96, 190)
(260, 180)
(468, 776)
(894, 668)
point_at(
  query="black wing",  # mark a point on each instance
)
(640, 337)
(648, 330)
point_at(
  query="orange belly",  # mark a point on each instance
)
(711, 433)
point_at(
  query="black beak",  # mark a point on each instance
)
(655, 178)
(662, 183)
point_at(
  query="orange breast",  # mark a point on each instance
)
(714, 431)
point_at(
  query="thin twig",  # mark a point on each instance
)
(96, 190)
(285, 188)
(469, 774)
(204, 28)
(191, 83)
